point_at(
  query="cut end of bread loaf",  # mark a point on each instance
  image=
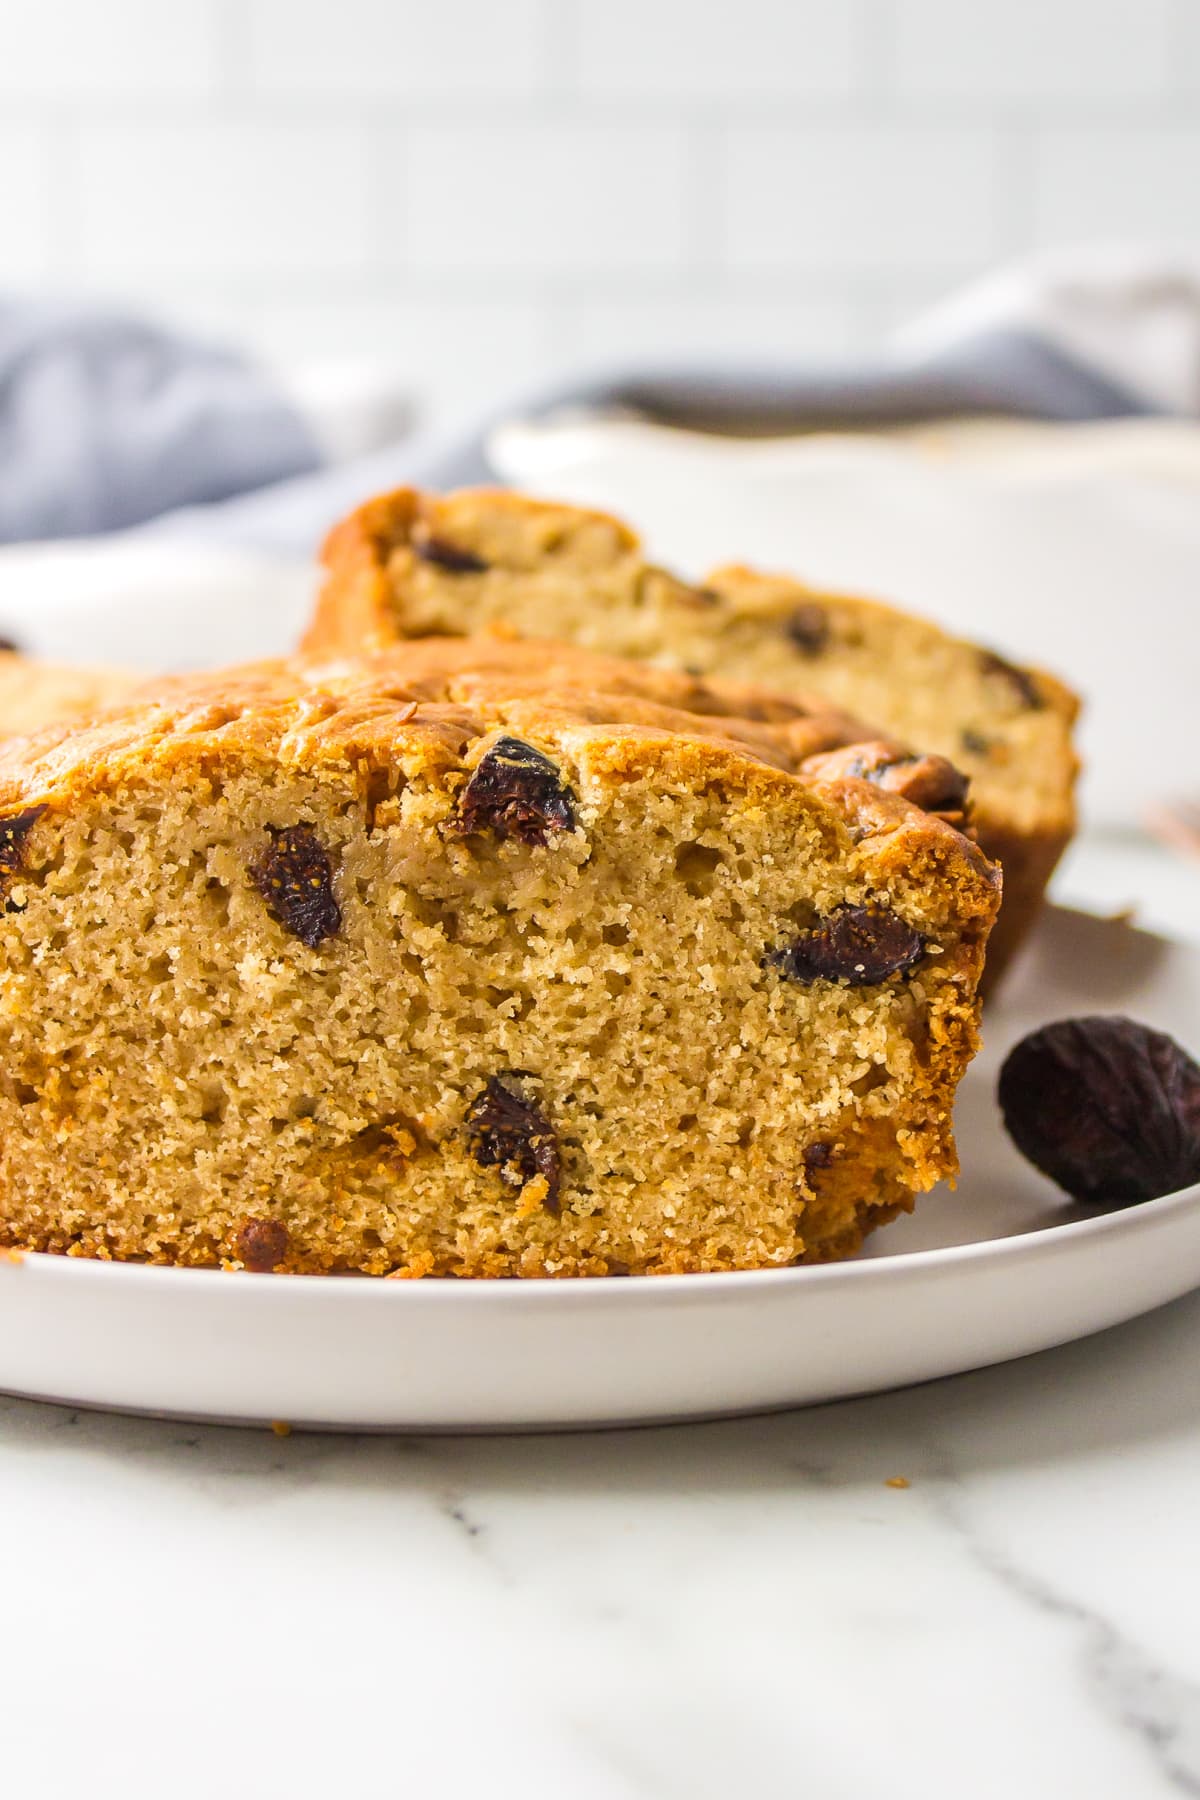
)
(488, 560)
(470, 961)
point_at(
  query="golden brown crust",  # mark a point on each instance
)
(423, 703)
(35, 693)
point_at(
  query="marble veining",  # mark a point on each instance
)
(690, 1613)
(1130, 1688)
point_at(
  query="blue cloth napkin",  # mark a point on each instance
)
(996, 372)
(106, 421)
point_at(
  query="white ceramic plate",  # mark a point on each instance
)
(998, 1269)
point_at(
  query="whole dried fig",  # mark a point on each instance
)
(1107, 1108)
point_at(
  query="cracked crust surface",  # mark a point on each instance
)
(274, 994)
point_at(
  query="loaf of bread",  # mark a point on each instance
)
(407, 564)
(476, 958)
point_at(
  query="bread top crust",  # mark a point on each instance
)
(516, 532)
(432, 706)
(34, 694)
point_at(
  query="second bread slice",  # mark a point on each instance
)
(408, 564)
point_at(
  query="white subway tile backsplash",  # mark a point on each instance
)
(238, 199)
(551, 198)
(848, 198)
(890, 306)
(1136, 182)
(1187, 47)
(485, 186)
(212, 313)
(410, 49)
(1032, 50)
(682, 49)
(107, 49)
(745, 326)
(25, 205)
(460, 357)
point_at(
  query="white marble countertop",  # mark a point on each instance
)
(746, 1608)
(735, 1609)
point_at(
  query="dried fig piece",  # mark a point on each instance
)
(446, 555)
(807, 627)
(1020, 680)
(14, 829)
(818, 1155)
(930, 782)
(656, 588)
(262, 1244)
(860, 945)
(506, 1131)
(295, 878)
(1107, 1108)
(516, 792)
